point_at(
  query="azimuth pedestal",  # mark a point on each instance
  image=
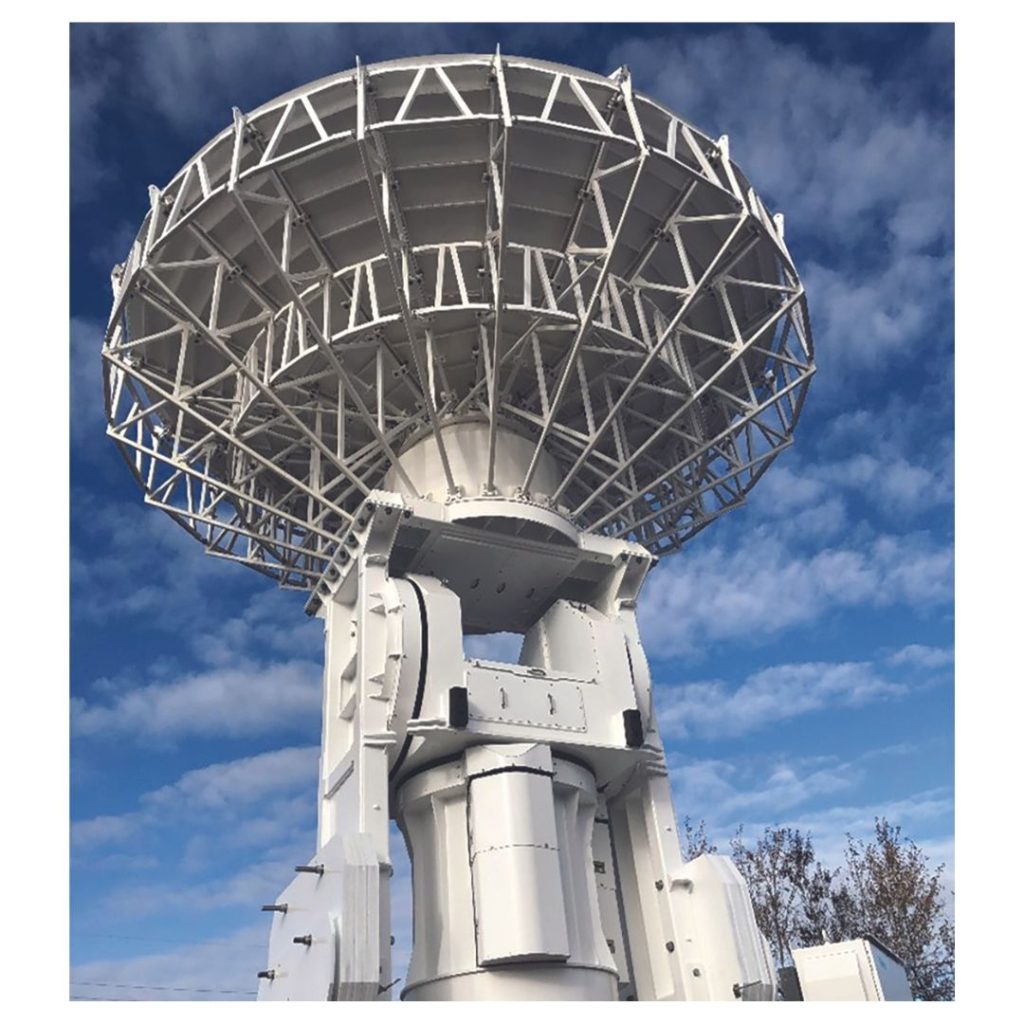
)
(505, 899)
(533, 797)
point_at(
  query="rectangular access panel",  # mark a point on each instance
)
(517, 881)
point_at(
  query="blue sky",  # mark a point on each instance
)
(801, 647)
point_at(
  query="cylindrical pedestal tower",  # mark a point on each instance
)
(466, 449)
(504, 893)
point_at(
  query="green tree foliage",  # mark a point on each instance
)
(885, 888)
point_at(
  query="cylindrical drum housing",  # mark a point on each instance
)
(504, 894)
(466, 446)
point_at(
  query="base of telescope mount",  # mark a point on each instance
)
(533, 797)
(505, 898)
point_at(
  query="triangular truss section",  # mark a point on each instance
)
(431, 94)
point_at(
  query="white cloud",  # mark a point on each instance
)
(720, 791)
(115, 245)
(917, 575)
(900, 487)
(271, 620)
(263, 794)
(863, 456)
(245, 780)
(861, 171)
(251, 885)
(217, 969)
(248, 699)
(244, 674)
(917, 814)
(783, 491)
(713, 709)
(90, 89)
(190, 75)
(757, 791)
(832, 139)
(922, 656)
(128, 560)
(86, 382)
(503, 647)
(130, 563)
(819, 523)
(800, 504)
(104, 829)
(863, 320)
(758, 587)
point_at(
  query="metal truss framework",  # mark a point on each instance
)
(363, 260)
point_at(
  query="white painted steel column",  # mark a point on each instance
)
(505, 903)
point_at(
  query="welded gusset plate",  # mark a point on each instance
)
(538, 247)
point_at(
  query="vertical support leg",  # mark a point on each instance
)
(331, 936)
(648, 858)
(690, 927)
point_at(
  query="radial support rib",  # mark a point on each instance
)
(696, 396)
(695, 295)
(390, 222)
(175, 309)
(496, 207)
(612, 244)
(314, 328)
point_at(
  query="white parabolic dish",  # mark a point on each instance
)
(326, 291)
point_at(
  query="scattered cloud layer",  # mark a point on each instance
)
(725, 793)
(759, 587)
(248, 699)
(821, 796)
(222, 969)
(86, 410)
(504, 647)
(128, 561)
(922, 656)
(715, 710)
(862, 172)
(242, 786)
(221, 837)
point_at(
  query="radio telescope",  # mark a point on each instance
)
(463, 344)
